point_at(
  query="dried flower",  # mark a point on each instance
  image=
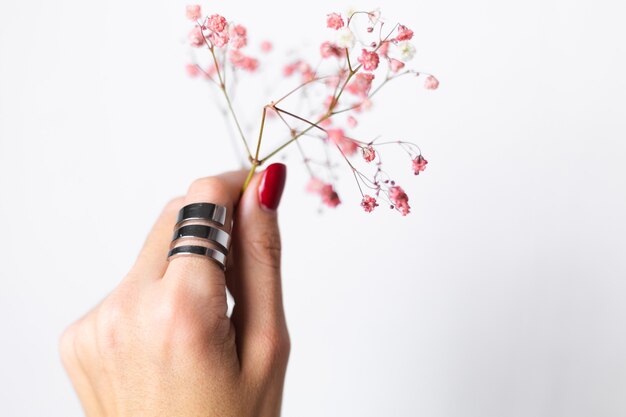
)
(369, 60)
(219, 39)
(216, 23)
(327, 89)
(266, 46)
(192, 70)
(361, 84)
(419, 164)
(369, 154)
(345, 144)
(395, 65)
(345, 38)
(404, 33)
(431, 83)
(238, 36)
(400, 199)
(328, 49)
(193, 12)
(330, 196)
(369, 203)
(196, 38)
(334, 21)
(407, 50)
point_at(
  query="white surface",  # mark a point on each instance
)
(501, 295)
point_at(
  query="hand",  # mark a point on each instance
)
(161, 344)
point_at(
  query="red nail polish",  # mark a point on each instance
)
(272, 185)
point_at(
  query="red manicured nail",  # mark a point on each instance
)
(272, 185)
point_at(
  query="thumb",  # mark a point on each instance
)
(255, 274)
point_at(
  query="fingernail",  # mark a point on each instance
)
(272, 185)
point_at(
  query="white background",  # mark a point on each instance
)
(502, 294)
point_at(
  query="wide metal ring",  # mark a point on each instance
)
(202, 231)
(202, 211)
(210, 253)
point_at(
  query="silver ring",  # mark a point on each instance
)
(201, 231)
(202, 211)
(212, 254)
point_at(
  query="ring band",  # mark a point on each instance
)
(203, 211)
(212, 254)
(202, 231)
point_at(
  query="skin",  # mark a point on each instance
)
(161, 343)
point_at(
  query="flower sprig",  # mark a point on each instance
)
(334, 93)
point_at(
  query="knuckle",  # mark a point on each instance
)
(173, 205)
(215, 184)
(266, 249)
(67, 342)
(274, 347)
(111, 319)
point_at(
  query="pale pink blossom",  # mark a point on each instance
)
(374, 16)
(315, 185)
(216, 23)
(369, 60)
(328, 49)
(369, 154)
(219, 39)
(352, 122)
(334, 21)
(395, 65)
(289, 69)
(361, 84)
(431, 83)
(266, 46)
(399, 199)
(196, 38)
(404, 33)
(238, 36)
(383, 49)
(369, 203)
(192, 70)
(326, 191)
(364, 105)
(419, 164)
(242, 61)
(345, 144)
(329, 196)
(193, 12)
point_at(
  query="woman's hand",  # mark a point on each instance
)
(161, 344)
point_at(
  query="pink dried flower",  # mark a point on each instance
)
(196, 38)
(219, 39)
(242, 61)
(289, 69)
(369, 154)
(395, 65)
(419, 164)
(352, 122)
(216, 23)
(431, 83)
(266, 46)
(328, 49)
(400, 200)
(345, 144)
(404, 33)
(192, 70)
(238, 36)
(193, 12)
(329, 196)
(314, 185)
(369, 60)
(383, 49)
(334, 21)
(361, 84)
(369, 203)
